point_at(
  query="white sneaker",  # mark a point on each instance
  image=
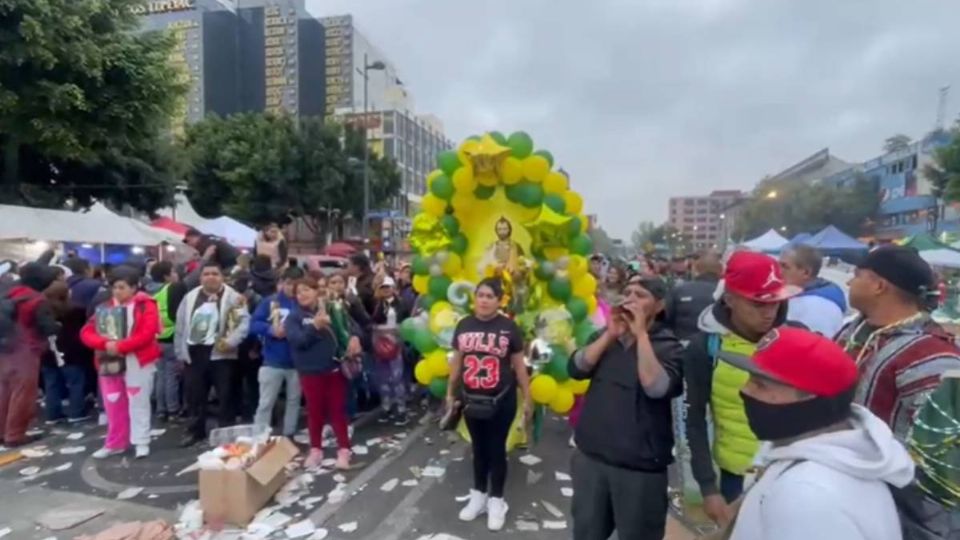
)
(105, 452)
(475, 506)
(496, 513)
(142, 451)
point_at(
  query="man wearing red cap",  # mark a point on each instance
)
(754, 302)
(826, 473)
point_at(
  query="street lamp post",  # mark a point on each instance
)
(376, 66)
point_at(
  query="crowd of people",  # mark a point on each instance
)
(796, 415)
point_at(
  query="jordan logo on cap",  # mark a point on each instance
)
(772, 279)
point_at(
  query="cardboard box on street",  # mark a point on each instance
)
(234, 497)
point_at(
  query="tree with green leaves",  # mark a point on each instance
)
(261, 168)
(897, 142)
(602, 243)
(85, 105)
(647, 234)
(944, 172)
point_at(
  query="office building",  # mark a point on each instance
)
(812, 169)
(702, 220)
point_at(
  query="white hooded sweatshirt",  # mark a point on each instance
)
(832, 486)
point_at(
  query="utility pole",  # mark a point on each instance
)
(376, 66)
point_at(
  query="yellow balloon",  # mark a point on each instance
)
(536, 168)
(578, 388)
(543, 388)
(578, 266)
(462, 200)
(463, 180)
(555, 183)
(584, 223)
(511, 171)
(554, 253)
(440, 305)
(562, 402)
(489, 180)
(585, 287)
(469, 146)
(452, 265)
(423, 373)
(433, 176)
(591, 304)
(445, 320)
(421, 284)
(437, 362)
(433, 205)
(574, 202)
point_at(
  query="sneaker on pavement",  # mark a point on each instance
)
(54, 421)
(476, 505)
(105, 452)
(385, 416)
(496, 513)
(79, 419)
(343, 459)
(314, 459)
(401, 419)
(102, 419)
(141, 451)
(572, 442)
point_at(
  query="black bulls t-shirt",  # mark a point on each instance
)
(486, 347)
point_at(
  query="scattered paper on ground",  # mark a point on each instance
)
(374, 441)
(529, 526)
(68, 517)
(129, 493)
(301, 438)
(433, 472)
(29, 471)
(552, 509)
(157, 432)
(533, 477)
(65, 467)
(36, 452)
(74, 436)
(5, 531)
(300, 529)
(319, 534)
(389, 485)
(566, 491)
(348, 527)
(361, 450)
(328, 463)
(530, 460)
(71, 450)
(561, 476)
(554, 525)
(409, 483)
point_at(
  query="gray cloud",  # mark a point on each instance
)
(644, 99)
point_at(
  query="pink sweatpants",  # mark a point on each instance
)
(126, 401)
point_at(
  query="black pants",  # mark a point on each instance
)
(606, 498)
(200, 373)
(489, 440)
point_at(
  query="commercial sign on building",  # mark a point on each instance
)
(186, 58)
(339, 60)
(280, 51)
(163, 6)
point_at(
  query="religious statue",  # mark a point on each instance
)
(504, 253)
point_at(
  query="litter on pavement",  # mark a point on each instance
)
(434, 471)
(75, 436)
(554, 525)
(5, 531)
(348, 527)
(562, 476)
(530, 460)
(319, 534)
(300, 529)
(129, 493)
(71, 450)
(410, 483)
(566, 491)
(552, 509)
(389, 485)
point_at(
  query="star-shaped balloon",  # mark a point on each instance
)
(427, 234)
(549, 229)
(486, 156)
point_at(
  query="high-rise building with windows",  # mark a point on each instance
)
(703, 221)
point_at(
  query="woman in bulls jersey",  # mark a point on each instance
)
(487, 369)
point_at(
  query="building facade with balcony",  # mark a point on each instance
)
(703, 220)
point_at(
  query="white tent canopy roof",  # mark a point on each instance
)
(96, 226)
(225, 227)
(944, 257)
(770, 241)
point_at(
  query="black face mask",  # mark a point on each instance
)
(774, 422)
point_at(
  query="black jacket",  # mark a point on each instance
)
(226, 255)
(687, 301)
(620, 425)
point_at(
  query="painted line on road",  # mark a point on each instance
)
(328, 509)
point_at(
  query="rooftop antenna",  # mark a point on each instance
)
(942, 108)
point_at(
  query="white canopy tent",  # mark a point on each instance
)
(769, 242)
(97, 226)
(231, 230)
(944, 257)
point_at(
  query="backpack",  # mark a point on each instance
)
(9, 327)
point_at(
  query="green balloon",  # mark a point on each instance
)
(426, 301)
(448, 162)
(544, 270)
(450, 224)
(521, 145)
(442, 187)
(582, 245)
(537, 252)
(531, 195)
(583, 332)
(421, 265)
(552, 200)
(573, 227)
(560, 288)
(438, 286)
(458, 245)
(484, 192)
(438, 387)
(423, 341)
(546, 155)
(499, 137)
(408, 329)
(578, 308)
(513, 192)
(557, 368)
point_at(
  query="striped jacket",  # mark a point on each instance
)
(899, 366)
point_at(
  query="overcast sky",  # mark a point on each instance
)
(641, 100)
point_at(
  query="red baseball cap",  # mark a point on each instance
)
(757, 277)
(802, 359)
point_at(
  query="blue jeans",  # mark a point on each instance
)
(731, 485)
(66, 381)
(167, 384)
